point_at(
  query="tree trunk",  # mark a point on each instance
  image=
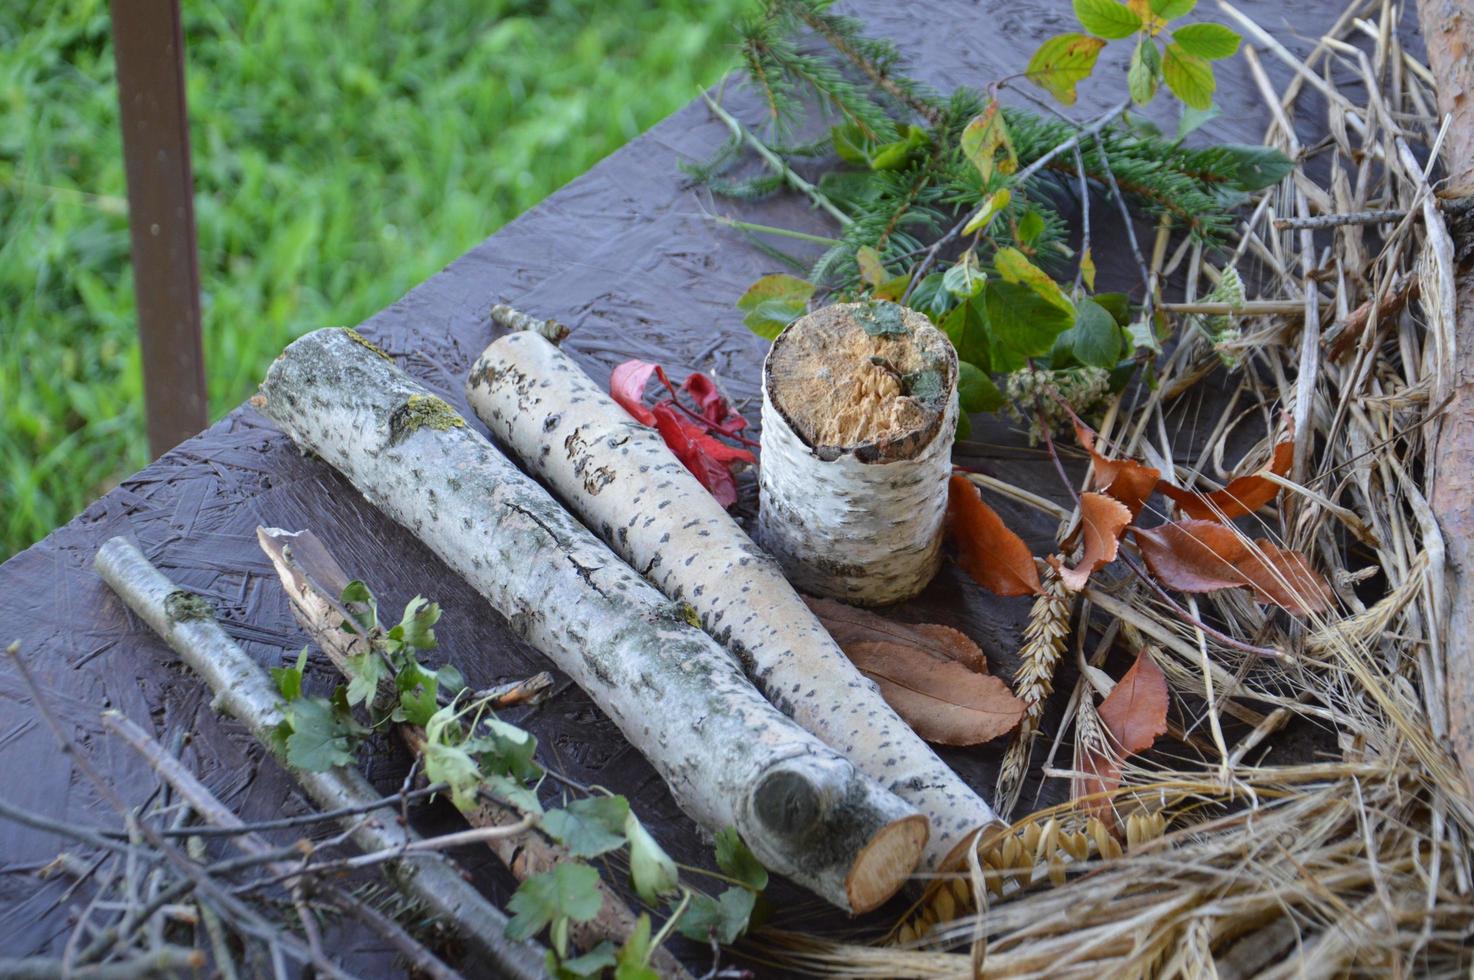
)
(729, 757)
(1448, 29)
(620, 478)
(859, 413)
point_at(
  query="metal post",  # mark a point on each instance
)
(148, 43)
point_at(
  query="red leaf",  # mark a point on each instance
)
(1129, 481)
(1193, 556)
(995, 557)
(711, 404)
(1243, 495)
(708, 459)
(1285, 578)
(1135, 712)
(1104, 520)
(627, 387)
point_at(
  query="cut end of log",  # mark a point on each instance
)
(869, 378)
(884, 864)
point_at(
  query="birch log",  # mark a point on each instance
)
(620, 478)
(859, 414)
(243, 689)
(729, 757)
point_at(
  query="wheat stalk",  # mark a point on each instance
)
(1033, 681)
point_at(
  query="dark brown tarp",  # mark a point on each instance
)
(623, 255)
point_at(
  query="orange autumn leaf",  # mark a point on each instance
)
(923, 672)
(1204, 556)
(1134, 714)
(1243, 495)
(1284, 578)
(1103, 520)
(995, 557)
(1129, 481)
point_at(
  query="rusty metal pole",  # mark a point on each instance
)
(148, 44)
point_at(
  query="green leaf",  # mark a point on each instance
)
(569, 891)
(1211, 41)
(1117, 304)
(415, 627)
(1192, 120)
(320, 740)
(723, 918)
(589, 827)
(365, 671)
(1061, 62)
(1022, 324)
(634, 955)
(894, 156)
(512, 792)
(590, 964)
(976, 392)
(1189, 77)
(737, 861)
(1172, 9)
(995, 203)
(506, 749)
(1014, 266)
(1030, 227)
(1145, 71)
(651, 869)
(850, 144)
(983, 137)
(362, 605)
(967, 328)
(1141, 334)
(1107, 18)
(289, 679)
(773, 302)
(965, 278)
(418, 698)
(454, 766)
(1096, 337)
(1255, 167)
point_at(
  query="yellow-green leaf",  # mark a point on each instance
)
(1145, 71)
(995, 203)
(1107, 18)
(983, 137)
(1087, 269)
(872, 269)
(1061, 62)
(1014, 266)
(1189, 77)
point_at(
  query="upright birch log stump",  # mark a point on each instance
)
(729, 757)
(859, 414)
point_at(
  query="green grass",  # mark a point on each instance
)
(343, 152)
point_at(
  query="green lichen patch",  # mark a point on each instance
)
(881, 318)
(363, 341)
(186, 607)
(926, 385)
(422, 412)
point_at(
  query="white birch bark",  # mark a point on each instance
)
(862, 524)
(620, 478)
(243, 689)
(728, 756)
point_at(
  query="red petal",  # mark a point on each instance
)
(627, 387)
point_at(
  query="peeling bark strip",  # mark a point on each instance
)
(243, 689)
(859, 413)
(728, 756)
(1448, 29)
(620, 478)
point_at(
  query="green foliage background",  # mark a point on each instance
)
(342, 152)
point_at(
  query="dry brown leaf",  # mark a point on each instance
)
(1284, 578)
(1193, 556)
(849, 625)
(1103, 520)
(1128, 480)
(1243, 495)
(942, 700)
(995, 557)
(1135, 712)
